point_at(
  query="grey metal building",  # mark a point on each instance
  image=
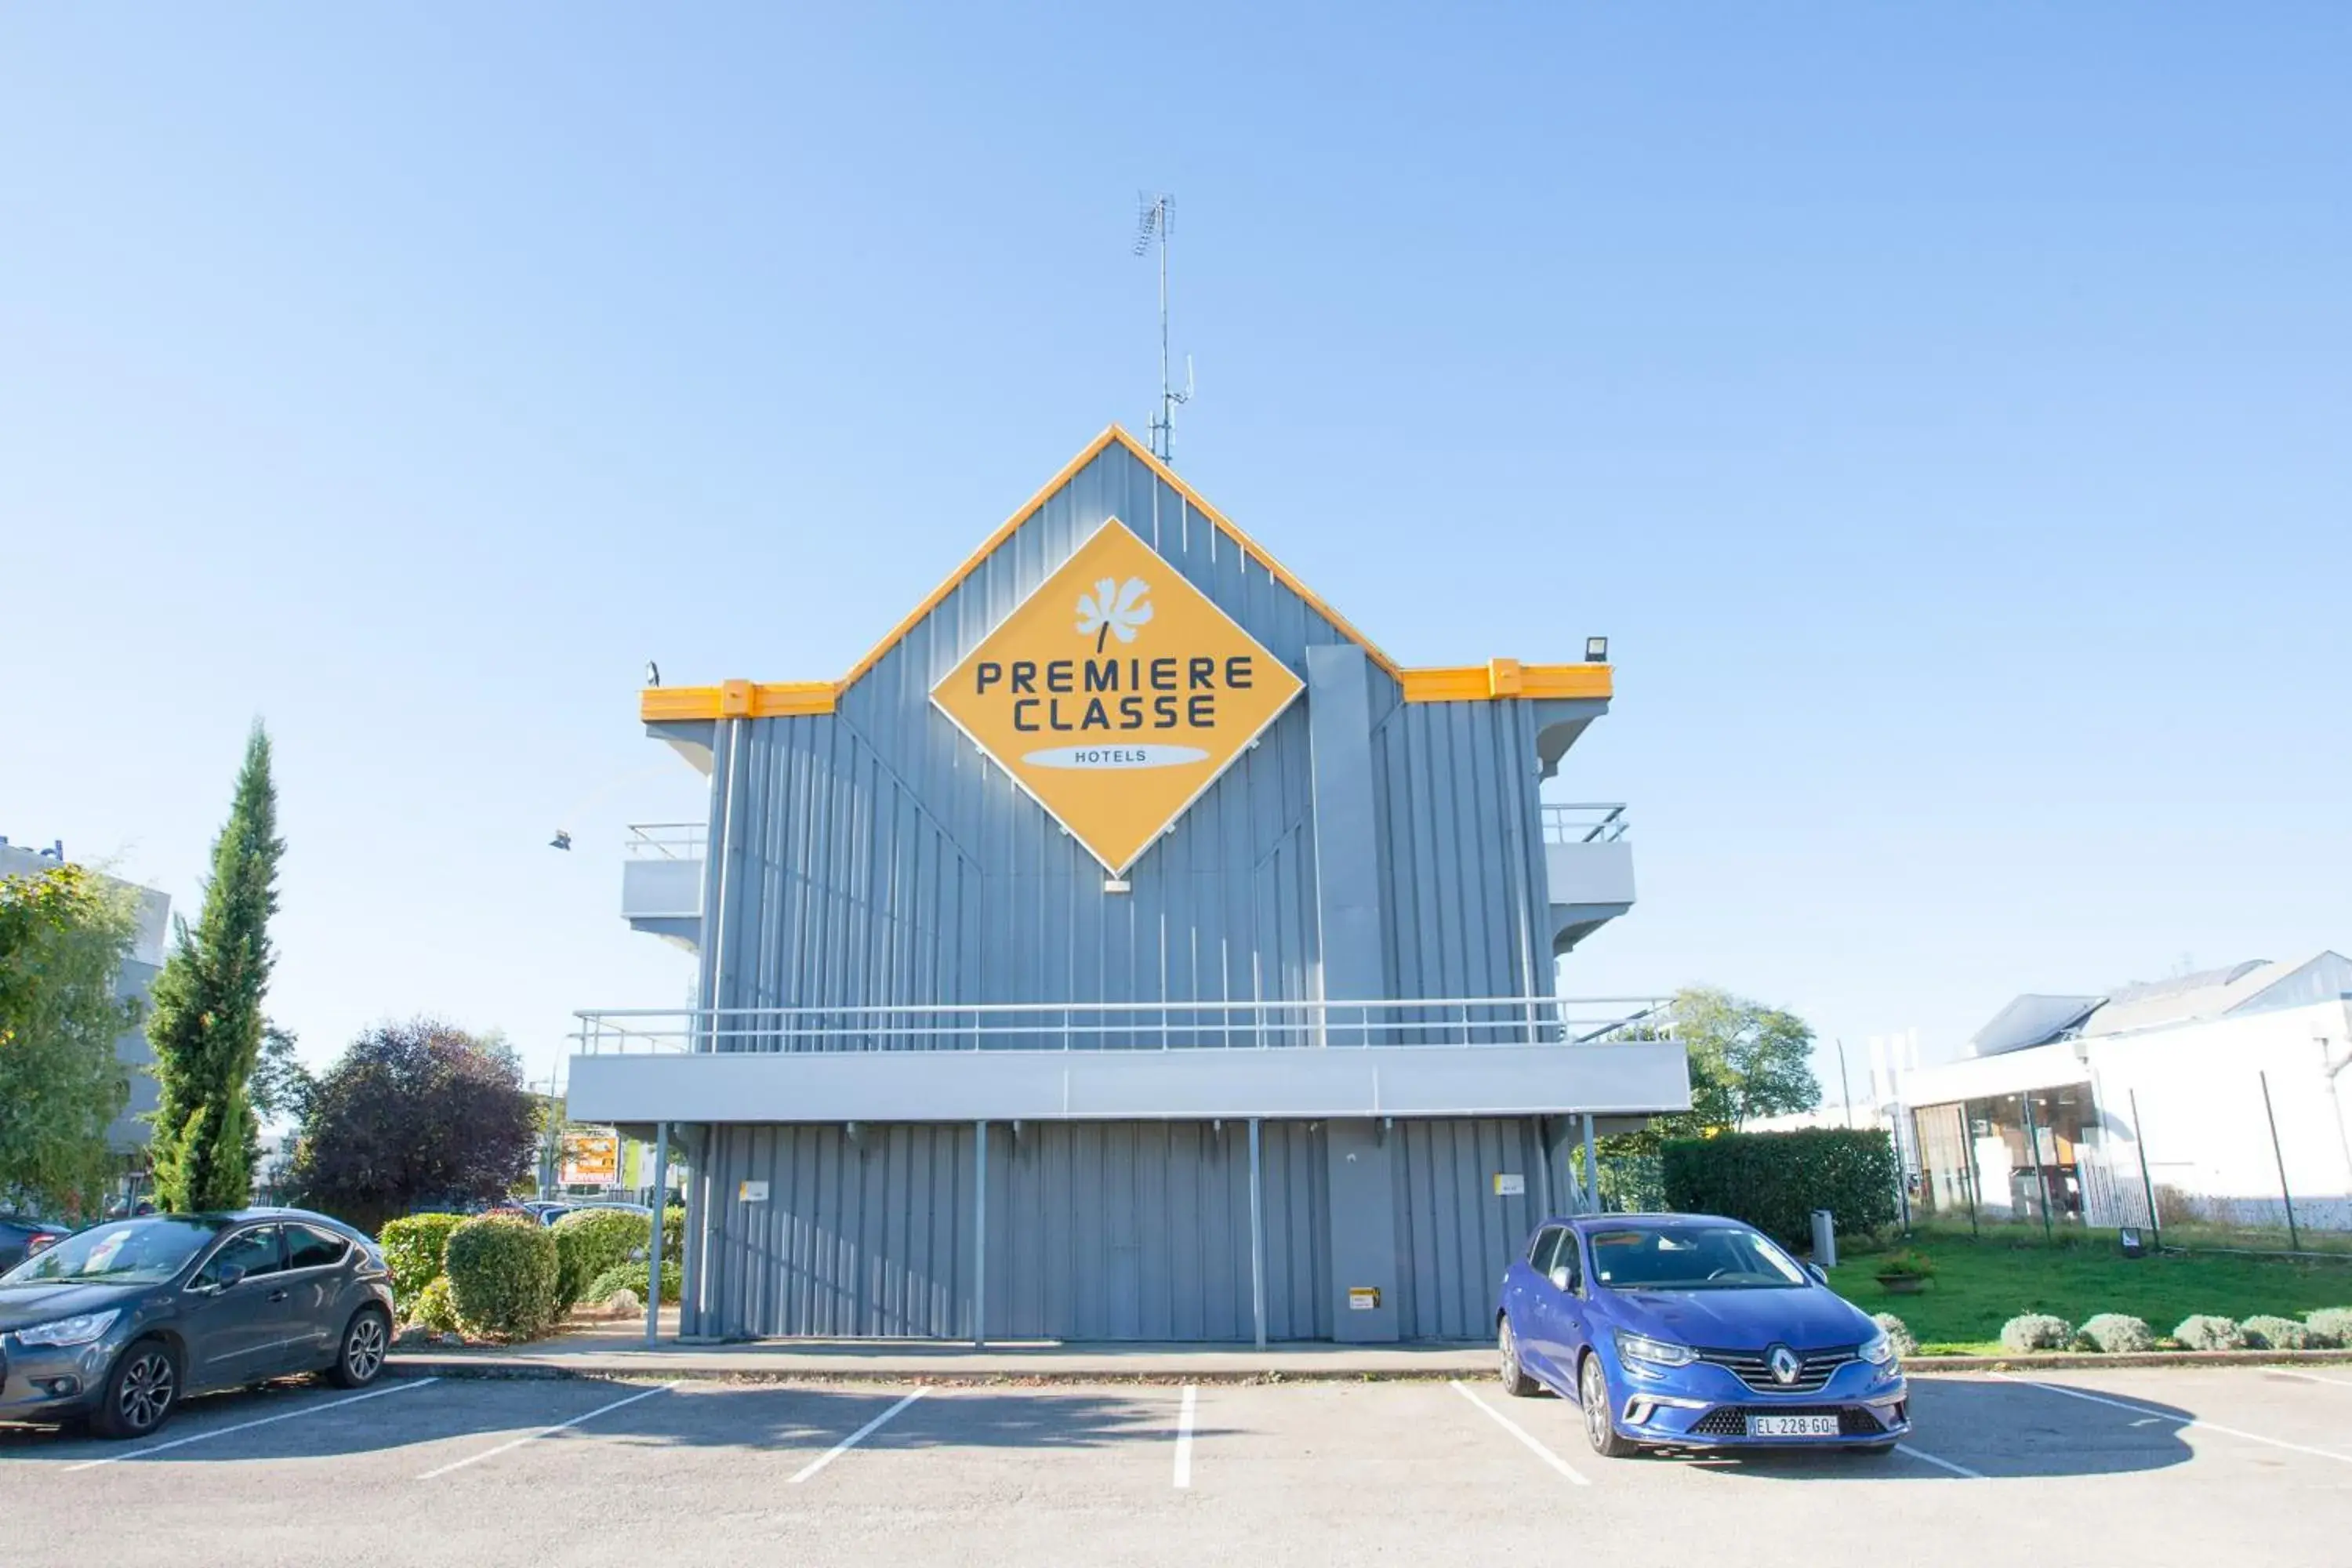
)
(1196, 986)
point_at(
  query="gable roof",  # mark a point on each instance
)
(1166, 476)
(1500, 678)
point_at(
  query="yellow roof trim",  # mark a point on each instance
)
(1502, 678)
(1469, 683)
(736, 699)
(1506, 678)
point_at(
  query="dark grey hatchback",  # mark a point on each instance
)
(118, 1322)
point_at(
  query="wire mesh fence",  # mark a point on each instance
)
(2247, 1161)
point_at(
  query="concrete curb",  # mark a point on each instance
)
(2047, 1361)
(947, 1375)
(944, 1377)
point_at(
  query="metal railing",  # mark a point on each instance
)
(1462, 1022)
(666, 841)
(1585, 822)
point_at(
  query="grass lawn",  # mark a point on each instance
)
(1981, 1285)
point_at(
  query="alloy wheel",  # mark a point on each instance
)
(1509, 1354)
(1593, 1395)
(148, 1387)
(363, 1348)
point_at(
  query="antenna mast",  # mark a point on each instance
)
(1152, 225)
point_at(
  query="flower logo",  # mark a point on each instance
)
(1114, 606)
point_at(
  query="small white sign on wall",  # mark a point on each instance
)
(752, 1192)
(1510, 1185)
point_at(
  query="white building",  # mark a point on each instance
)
(2220, 1094)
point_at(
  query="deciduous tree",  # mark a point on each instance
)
(414, 1112)
(63, 937)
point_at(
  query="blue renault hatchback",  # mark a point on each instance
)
(1687, 1330)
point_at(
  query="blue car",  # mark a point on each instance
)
(1691, 1331)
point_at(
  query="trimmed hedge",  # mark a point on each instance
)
(590, 1241)
(2330, 1326)
(631, 1277)
(412, 1250)
(2207, 1333)
(2036, 1332)
(1774, 1181)
(432, 1307)
(502, 1273)
(2268, 1333)
(2115, 1333)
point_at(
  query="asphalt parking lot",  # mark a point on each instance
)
(2245, 1465)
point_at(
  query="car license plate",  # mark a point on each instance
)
(1792, 1426)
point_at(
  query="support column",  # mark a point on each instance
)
(653, 1250)
(979, 1234)
(1257, 1237)
(1363, 1239)
(1592, 1171)
(1347, 846)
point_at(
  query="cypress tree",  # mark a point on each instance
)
(206, 1019)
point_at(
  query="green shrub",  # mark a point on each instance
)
(673, 1231)
(1894, 1329)
(632, 1277)
(2117, 1333)
(2330, 1327)
(432, 1307)
(2036, 1332)
(2268, 1333)
(2207, 1333)
(1906, 1264)
(1774, 1181)
(590, 1241)
(413, 1250)
(501, 1273)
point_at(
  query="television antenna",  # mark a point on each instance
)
(1151, 224)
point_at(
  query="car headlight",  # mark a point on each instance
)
(77, 1330)
(1879, 1350)
(1656, 1353)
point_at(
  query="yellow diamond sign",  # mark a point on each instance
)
(1116, 694)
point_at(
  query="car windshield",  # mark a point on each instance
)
(1690, 1257)
(130, 1251)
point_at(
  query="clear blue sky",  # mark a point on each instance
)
(1948, 416)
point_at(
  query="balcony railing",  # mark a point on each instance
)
(666, 841)
(1585, 822)
(1126, 1025)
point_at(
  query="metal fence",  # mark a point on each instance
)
(2253, 1159)
(1462, 1022)
(1585, 822)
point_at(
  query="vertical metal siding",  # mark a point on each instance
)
(1454, 1235)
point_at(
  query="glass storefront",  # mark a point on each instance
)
(2016, 1156)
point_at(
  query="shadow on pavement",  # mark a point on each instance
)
(704, 1415)
(1999, 1430)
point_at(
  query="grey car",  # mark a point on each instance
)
(118, 1322)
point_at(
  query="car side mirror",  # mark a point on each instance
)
(1563, 1281)
(1820, 1276)
(226, 1275)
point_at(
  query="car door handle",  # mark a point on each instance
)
(278, 1295)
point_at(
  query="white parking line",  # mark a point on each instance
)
(1184, 1438)
(2167, 1415)
(2313, 1377)
(1516, 1430)
(1962, 1470)
(838, 1449)
(248, 1425)
(543, 1431)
